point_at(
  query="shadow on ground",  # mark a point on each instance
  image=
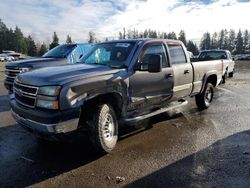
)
(226, 163)
(26, 160)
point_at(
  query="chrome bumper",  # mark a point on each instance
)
(61, 127)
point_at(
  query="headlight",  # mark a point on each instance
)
(24, 70)
(47, 104)
(49, 90)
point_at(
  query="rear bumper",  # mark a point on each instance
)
(45, 122)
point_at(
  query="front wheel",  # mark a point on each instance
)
(204, 99)
(103, 128)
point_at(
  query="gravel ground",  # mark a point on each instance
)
(184, 148)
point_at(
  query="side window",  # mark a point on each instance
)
(155, 49)
(177, 54)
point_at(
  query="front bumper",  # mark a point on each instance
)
(45, 122)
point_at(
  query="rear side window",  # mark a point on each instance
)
(177, 54)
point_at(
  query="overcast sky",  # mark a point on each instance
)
(106, 18)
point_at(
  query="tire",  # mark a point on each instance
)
(231, 74)
(224, 77)
(103, 128)
(204, 99)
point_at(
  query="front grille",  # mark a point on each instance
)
(12, 73)
(25, 94)
(26, 101)
(30, 90)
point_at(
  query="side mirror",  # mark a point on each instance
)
(153, 64)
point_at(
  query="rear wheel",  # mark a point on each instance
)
(224, 77)
(204, 99)
(103, 128)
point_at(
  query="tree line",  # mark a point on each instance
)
(237, 43)
(15, 40)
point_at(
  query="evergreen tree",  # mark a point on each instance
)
(226, 44)
(124, 33)
(10, 40)
(246, 41)
(205, 41)
(120, 35)
(182, 37)
(55, 41)
(221, 39)
(91, 37)
(68, 40)
(145, 34)
(239, 43)
(32, 50)
(3, 35)
(172, 35)
(232, 40)
(192, 47)
(43, 50)
(214, 41)
(20, 44)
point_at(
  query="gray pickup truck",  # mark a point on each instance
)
(123, 81)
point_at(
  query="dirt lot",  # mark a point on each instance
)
(187, 148)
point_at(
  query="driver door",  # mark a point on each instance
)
(148, 90)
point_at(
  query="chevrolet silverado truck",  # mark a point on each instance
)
(225, 56)
(60, 55)
(117, 82)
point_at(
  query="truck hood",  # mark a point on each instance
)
(35, 63)
(64, 74)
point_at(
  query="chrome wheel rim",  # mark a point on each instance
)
(108, 128)
(208, 96)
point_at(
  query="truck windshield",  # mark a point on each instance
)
(112, 54)
(212, 55)
(60, 51)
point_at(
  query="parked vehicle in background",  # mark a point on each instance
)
(2, 58)
(242, 57)
(60, 55)
(6, 57)
(117, 81)
(224, 55)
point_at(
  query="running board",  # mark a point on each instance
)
(161, 110)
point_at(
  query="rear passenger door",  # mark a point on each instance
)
(183, 71)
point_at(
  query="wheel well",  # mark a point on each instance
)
(212, 79)
(114, 99)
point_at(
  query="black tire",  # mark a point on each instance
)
(231, 74)
(204, 99)
(224, 77)
(103, 128)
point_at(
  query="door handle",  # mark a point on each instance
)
(169, 75)
(186, 71)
